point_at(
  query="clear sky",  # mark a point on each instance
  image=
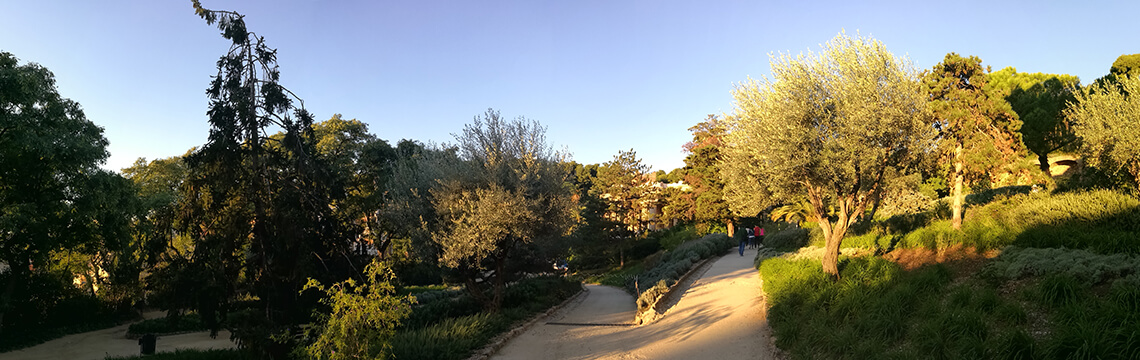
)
(603, 76)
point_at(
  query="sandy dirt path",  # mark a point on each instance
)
(96, 345)
(720, 317)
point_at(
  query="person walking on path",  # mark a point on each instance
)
(759, 231)
(746, 240)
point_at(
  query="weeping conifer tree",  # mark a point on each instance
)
(258, 205)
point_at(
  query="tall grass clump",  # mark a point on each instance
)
(452, 338)
(1092, 300)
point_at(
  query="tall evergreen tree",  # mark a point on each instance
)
(624, 186)
(978, 131)
(258, 206)
(622, 183)
(702, 172)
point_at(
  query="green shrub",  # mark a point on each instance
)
(643, 247)
(362, 318)
(539, 293)
(436, 309)
(420, 289)
(436, 295)
(670, 238)
(167, 325)
(434, 306)
(788, 239)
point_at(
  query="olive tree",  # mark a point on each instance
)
(1107, 121)
(503, 190)
(830, 127)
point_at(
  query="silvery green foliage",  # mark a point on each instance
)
(1107, 120)
(1087, 267)
(478, 206)
(832, 127)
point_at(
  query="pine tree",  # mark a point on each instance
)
(978, 131)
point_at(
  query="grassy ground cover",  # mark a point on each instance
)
(1103, 221)
(451, 328)
(1066, 285)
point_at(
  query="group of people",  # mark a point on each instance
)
(753, 240)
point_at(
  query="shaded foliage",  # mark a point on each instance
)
(258, 207)
(1039, 101)
(54, 200)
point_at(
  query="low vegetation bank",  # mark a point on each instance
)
(1066, 285)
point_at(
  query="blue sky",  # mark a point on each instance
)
(603, 76)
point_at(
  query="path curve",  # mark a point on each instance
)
(720, 317)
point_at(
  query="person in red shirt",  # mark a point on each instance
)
(759, 231)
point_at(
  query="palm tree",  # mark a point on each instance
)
(796, 212)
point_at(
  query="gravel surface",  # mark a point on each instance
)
(719, 317)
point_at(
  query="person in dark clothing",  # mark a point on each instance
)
(746, 240)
